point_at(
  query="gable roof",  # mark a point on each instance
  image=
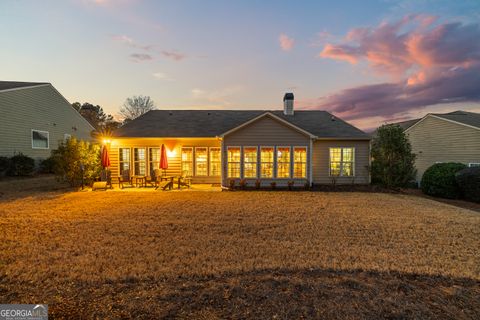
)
(9, 85)
(213, 123)
(463, 117)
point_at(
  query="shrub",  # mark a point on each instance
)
(47, 165)
(468, 180)
(439, 180)
(393, 163)
(20, 165)
(4, 163)
(69, 158)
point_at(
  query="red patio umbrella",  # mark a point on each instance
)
(105, 157)
(163, 159)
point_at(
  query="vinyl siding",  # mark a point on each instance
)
(321, 161)
(40, 108)
(265, 131)
(436, 140)
(172, 144)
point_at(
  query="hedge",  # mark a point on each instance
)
(439, 180)
(468, 180)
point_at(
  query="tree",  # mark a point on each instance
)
(136, 106)
(95, 115)
(393, 163)
(71, 156)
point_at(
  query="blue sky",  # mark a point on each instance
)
(246, 54)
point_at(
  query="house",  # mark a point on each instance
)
(217, 146)
(35, 117)
(446, 137)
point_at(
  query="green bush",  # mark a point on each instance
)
(47, 165)
(20, 165)
(468, 180)
(69, 158)
(4, 163)
(439, 180)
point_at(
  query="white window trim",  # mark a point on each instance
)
(120, 161)
(259, 174)
(243, 163)
(306, 162)
(228, 162)
(192, 162)
(473, 164)
(290, 163)
(210, 161)
(48, 139)
(341, 162)
(195, 161)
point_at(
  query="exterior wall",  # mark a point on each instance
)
(265, 132)
(174, 148)
(321, 161)
(436, 140)
(40, 108)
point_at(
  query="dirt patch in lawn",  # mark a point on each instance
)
(240, 254)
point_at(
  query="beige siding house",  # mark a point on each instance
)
(34, 118)
(449, 137)
(221, 146)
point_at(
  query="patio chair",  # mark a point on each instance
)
(125, 179)
(184, 180)
(161, 181)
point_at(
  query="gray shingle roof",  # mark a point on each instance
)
(468, 118)
(212, 123)
(6, 85)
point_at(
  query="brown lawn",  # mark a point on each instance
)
(219, 255)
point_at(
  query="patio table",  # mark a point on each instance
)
(139, 180)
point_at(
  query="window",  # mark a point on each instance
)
(300, 162)
(139, 161)
(187, 160)
(342, 161)
(124, 157)
(233, 157)
(283, 162)
(201, 161)
(215, 162)
(153, 160)
(474, 164)
(40, 139)
(249, 162)
(266, 162)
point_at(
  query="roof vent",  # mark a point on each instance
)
(288, 104)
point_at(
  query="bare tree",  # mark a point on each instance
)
(135, 106)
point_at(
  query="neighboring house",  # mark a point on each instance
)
(447, 137)
(216, 146)
(34, 118)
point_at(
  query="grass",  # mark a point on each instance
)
(239, 255)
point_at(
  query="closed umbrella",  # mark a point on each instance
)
(105, 157)
(163, 159)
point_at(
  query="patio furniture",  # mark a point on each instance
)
(139, 181)
(105, 181)
(125, 179)
(184, 180)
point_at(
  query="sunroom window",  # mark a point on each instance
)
(233, 158)
(124, 157)
(283, 162)
(342, 162)
(300, 162)
(215, 162)
(250, 162)
(201, 161)
(154, 160)
(139, 161)
(187, 160)
(266, 162)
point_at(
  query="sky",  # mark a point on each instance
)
(368, 62)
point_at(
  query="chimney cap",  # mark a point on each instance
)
(288, 96)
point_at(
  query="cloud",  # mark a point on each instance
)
(217, 97)
(286, 43)
(173, 55)
(161, 76)
(432, 64)
(140, 57)
(126, 40)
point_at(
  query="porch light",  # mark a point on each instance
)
(171, 153)
(105, 141)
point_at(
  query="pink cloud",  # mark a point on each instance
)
(286, 43)
(173, 55)
(437, 64)
(140, 57)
